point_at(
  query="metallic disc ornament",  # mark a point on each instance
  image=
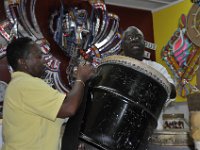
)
(193, 24)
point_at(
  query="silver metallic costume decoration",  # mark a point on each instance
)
(7, 32)
(83, 37)
(86, 38)
(17, 15)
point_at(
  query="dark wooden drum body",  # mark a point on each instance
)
(125, 102)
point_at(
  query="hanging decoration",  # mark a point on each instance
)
(24, 26)
(82, 36)
(4, 37)
(182, 57)
(86, 38)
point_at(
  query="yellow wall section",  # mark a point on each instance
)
(165, 23)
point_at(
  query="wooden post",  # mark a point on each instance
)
(194, 110)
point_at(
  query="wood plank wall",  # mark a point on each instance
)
(4, 74)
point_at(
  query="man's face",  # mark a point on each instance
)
(35, 61)
(133, 43)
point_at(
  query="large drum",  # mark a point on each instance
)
(124, 104)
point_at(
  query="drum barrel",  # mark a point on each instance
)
(122, 109)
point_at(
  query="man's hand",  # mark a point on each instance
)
(85, 72)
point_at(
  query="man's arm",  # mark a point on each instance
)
(72, 101)
(74, 98)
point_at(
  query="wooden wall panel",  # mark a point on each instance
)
(2, 11)
(4, 74)
(142, 19)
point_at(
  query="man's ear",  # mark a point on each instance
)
(22, 63)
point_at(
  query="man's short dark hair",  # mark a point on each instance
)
(16, 49)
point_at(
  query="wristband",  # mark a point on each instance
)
(81, 82)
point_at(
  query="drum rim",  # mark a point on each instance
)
(94, 143)
(140, 67)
